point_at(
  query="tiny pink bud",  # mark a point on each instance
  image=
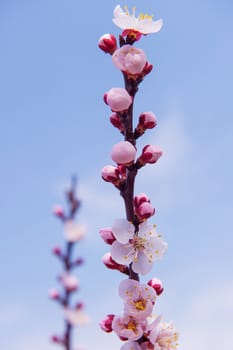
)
(110, 173)
(157, 285)
(106, 324)
(54, 294)
(147, 69)
(69, 282)
(57, 340)
(139, 199)
(147, 120)
(107, 235)
(78, 262)
(108, 43)
(57, 251)
(58, 211)
(118, 99)
(116, 121)
(79, 306)
(113, 265)
(123, 153)
(145, 210)
(150, 154)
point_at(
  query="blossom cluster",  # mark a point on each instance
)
(69, 284)
(134, 242)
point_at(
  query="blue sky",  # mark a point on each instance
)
(54, 123)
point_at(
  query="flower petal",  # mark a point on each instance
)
(123, 230)
(122, 253)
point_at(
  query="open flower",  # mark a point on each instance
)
(143, 24)
(139, 298)
(163, 335)
(128, 328)
(141, 248)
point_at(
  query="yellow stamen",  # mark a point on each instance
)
(126, 10)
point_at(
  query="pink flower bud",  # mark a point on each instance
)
(107, 235)
(57, 251)
(113, 265)
(58, 211)
(157, 285)
(145, 211)
(106, 324)
(118, 99)
(150, 154)
(57, 340)
(110, 173)
(108, 43)
(123, 172)
(54, 294)
(139, 199)
(116, 121)
(130, 59)
(147, 69)
(123, 153)
(78, 262)
(147, 120)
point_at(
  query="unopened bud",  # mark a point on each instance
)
(107, 235)
(58, 211)
(57, 251)
(157, 285)
(118, 99)
(116, 121)
(106, 323)
(147, 120)
(110, 173)
(57, 340)
(108, 43)
(70, 282)
(54, 294)
(150, 154)
(145, 210)
(112, 264)
(123, 153)
(139, 199)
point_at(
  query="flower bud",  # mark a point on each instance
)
(139, 199)
(118, 99)
(116, 121)
(145, 211)
(156, 284)
(54, 294)
(107, 235)
(150, 154)
(123, 153)
(108, 43)
(129, 59)
(110, 173)
(123, 172)
(113, 265)
(147, 69)
(106, 323)
(147, 120)
(57, 340)
(58, 211)
(57, 251)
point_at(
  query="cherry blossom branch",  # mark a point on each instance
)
(135, 244)
(69, 285)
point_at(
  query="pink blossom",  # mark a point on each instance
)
(156, 284)
(118, 99)
(145, 211)
(130, 59)
(139, 199)
(150, 154)
(74, 232)
(58, 211)
(106, 324)
(108, 43)
(112, 264)
(57, 251)
(123, 152)
(128, 328)
(107, 235)
(140, 249)
(76, 317)
(163, 336)
(70, 282)
(139, 298)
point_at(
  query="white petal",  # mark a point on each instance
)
(76, 317)
(147, 26)
(123, 230)
(73, 232)
(122, 253)
(142, 265)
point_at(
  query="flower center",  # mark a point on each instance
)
(143, 16)
(131, 325)
(140, 304)
(138, 242)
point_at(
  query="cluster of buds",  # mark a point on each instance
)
(134, 243)
(74, 315)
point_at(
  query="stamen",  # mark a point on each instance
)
(126, 10)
